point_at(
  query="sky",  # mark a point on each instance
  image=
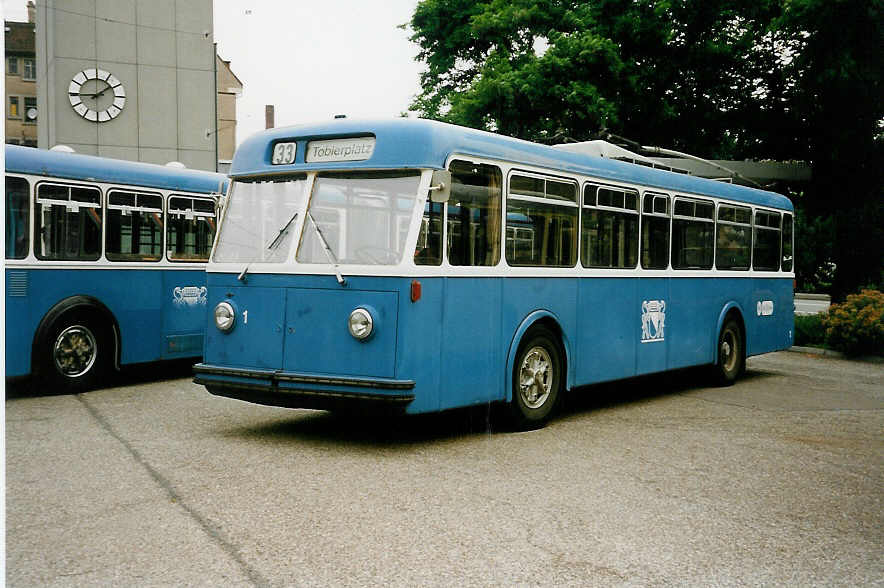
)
(311, 60)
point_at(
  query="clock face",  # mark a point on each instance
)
(97, 95)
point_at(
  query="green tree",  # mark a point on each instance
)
(788, 79)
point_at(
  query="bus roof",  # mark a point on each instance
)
(74, 166)
(419, 143)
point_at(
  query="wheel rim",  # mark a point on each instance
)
(535, 377)
(75, 351)
(729, 351)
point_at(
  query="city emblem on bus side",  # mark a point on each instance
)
(653, 320)
(189, 295)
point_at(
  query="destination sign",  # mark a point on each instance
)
(356, 149)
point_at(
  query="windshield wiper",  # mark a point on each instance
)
(271, 246)
(281, 232)
(327, 249)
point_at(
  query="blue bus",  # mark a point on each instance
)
(424, 266)
(105, 264)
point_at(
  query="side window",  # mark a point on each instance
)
(541, 222)
(610, 227)
(18, 222)
(429, 241)
(68, 223)
(787, 242)
(733, 245)
(134, 226)
(655, 231)
(693, 234)
(474, 214)
(190, 228)
(766, 253)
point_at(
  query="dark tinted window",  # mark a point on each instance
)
(17, 217)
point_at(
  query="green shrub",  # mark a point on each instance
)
(856, 326)
(810, 330)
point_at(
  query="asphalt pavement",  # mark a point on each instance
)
(777, 480)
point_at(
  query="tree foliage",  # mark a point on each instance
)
(787, 79)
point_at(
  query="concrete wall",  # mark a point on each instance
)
(163, 53)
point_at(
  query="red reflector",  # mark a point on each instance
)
(415, 290)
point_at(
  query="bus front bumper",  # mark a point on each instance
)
(295, 390)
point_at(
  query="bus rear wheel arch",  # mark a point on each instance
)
(537, 379)
(74, 349)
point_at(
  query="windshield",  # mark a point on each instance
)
(363, 218)
(259, 220)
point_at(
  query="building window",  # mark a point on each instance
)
(29, 71)
(14, 108)
(30, 110)
(12, 65)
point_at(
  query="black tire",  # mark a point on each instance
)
(74, 355)
(537, 379)
(730, 353)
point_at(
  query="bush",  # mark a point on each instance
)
(810, 329)
(856, 326)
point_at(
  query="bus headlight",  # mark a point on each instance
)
(360, 324)
(224, 316)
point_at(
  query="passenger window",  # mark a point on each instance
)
(68, 223)
(474, 214)
(655, 231)
(541, 222)
(17, 217)
(190, 229)
(610, 227)
(787, 242)
(134, 226)
(733, 246)
(693, 234)
(766, 253)
(429, 241)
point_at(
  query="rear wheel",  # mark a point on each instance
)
(75, 354)
(537, 379)
(731, 353)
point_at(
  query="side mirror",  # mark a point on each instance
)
(440, 186)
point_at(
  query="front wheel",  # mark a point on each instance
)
(74, 355)
(731, 353)
(537, 379)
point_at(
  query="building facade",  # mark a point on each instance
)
(129, 79)
(229, 89)
(21, 82)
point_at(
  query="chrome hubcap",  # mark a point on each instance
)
(75, 351)
(535, 377)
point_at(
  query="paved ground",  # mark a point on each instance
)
(778, 480)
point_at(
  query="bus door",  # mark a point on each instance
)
(189, 236)
(653, 299)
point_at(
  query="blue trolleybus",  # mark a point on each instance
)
(425, 266)
(105, 264)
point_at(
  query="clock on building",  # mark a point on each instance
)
(97, 95)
